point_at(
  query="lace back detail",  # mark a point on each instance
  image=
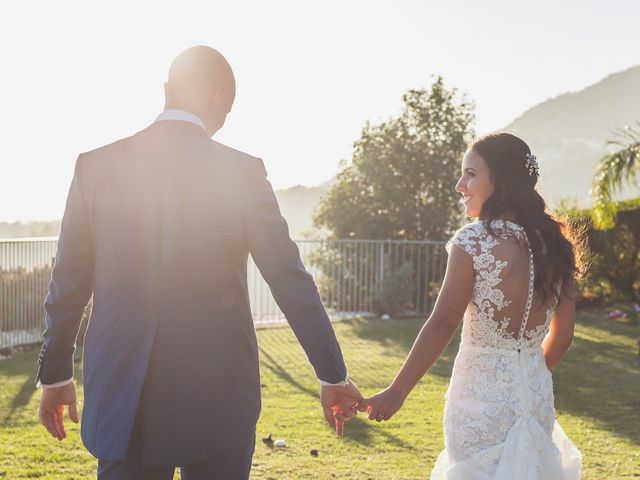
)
(504, 269)
(525, 318)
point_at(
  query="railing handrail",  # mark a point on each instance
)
(306, 240)
(401, 242)
(28, 239)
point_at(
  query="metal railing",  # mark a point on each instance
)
(351, 273)
(354, 277)
(25, 270)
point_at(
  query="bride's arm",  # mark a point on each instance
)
(433, 338)
(560, 335)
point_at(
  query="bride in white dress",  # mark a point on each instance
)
(510, 279)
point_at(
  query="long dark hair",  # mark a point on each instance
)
(514, 174)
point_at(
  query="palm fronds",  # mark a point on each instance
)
(614, 170)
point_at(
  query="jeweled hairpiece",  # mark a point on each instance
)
(531, 164)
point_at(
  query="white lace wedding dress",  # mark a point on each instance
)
(499, 418)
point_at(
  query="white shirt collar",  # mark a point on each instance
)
(181, 115)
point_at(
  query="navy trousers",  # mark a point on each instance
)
(231, 464)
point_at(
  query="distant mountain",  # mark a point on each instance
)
(569, 134)
(297, 205)
(29, 229)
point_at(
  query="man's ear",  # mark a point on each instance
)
(221, 98)
(216, 96)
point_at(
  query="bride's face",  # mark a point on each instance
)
(475, 183)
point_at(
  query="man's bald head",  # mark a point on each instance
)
(201, 81)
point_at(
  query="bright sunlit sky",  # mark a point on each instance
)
(79, 74)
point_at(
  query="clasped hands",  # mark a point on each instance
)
(342, 403)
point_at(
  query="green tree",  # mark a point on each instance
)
(400, 185)
(615, 170)
(401, 181)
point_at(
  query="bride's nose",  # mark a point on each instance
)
(459, 186)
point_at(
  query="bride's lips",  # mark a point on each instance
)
(466, 198)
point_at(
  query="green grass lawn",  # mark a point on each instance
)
(597, 391)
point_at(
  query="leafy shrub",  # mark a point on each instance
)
(613, 272)
(395, 292)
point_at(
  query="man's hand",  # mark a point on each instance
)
(51, 411)
(339, 404)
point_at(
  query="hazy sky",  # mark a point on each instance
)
(79, 74)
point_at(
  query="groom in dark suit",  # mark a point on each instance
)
(158, 227)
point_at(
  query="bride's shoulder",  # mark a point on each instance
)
(467, 237)
(471, 230)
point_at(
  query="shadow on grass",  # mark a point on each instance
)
(398, 336)
(20, 399)
(24, 365)
(360, 429)
(282, 373)
(596, 381)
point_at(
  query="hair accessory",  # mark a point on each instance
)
(531, 164)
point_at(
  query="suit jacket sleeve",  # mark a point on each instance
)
(278, 259)
(70, 287)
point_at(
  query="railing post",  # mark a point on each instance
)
(381, 267)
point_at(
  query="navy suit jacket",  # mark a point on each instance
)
(158, 227)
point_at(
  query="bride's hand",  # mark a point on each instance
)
(382, 405)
